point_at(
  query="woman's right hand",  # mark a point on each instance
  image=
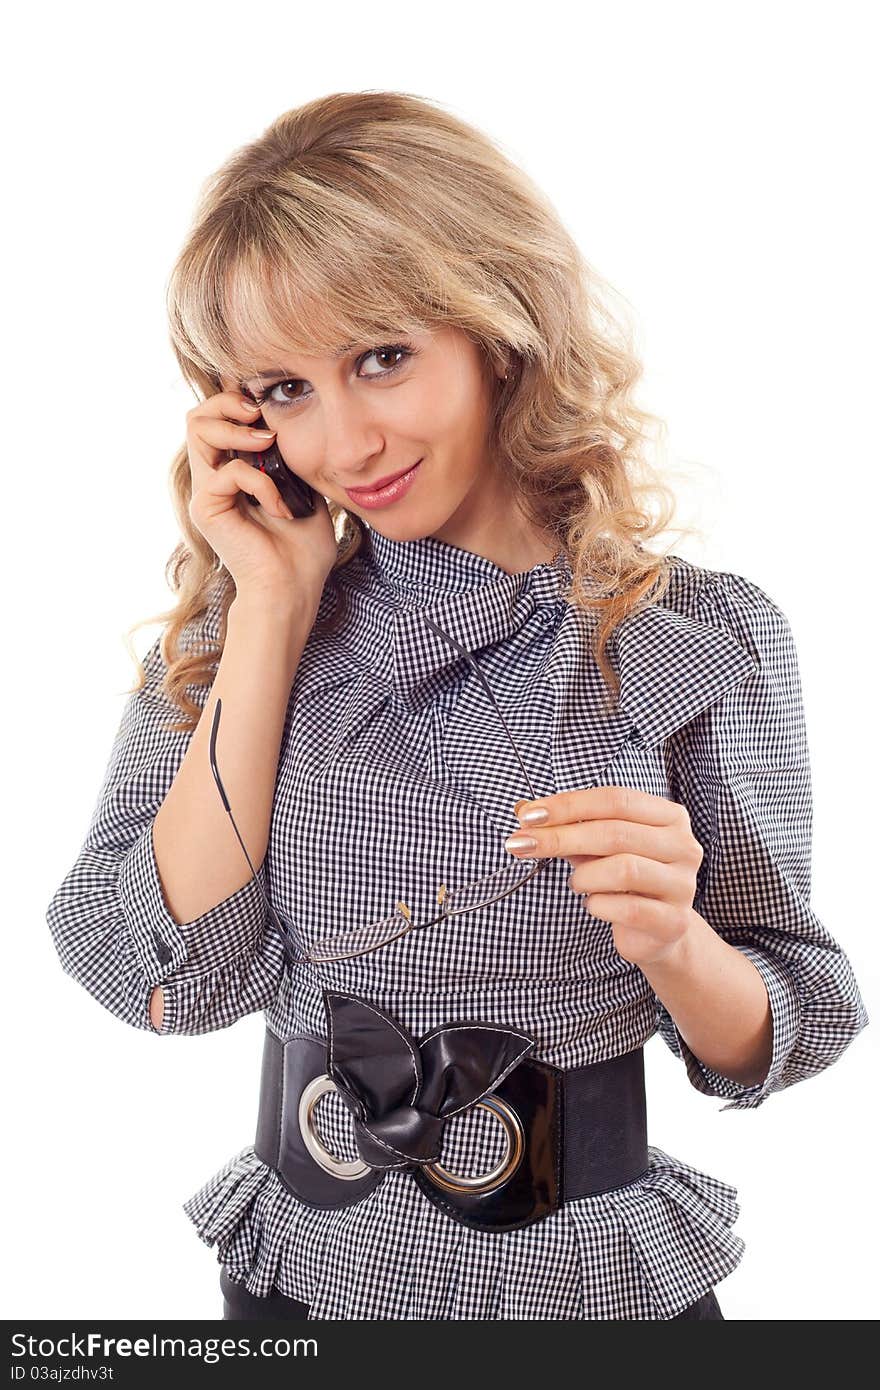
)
(266, 552)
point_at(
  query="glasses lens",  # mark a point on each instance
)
(494, 886)
(359, 940)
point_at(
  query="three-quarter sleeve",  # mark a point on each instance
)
(109, 920)
(741, 768)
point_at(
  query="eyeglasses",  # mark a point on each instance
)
(469, 897)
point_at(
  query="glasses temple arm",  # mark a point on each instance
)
(212, 752)
(468, 657)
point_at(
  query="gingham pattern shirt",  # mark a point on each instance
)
(395, 776)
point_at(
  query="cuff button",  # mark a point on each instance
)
(163, 950)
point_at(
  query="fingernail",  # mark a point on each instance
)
(536, 817)
(520, 842)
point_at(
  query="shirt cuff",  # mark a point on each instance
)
(785, 1012)
(169, 1010)
(167, 948)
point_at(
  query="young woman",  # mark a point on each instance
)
(375, 695)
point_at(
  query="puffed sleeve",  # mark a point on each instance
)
(742, 770)
(109, 921)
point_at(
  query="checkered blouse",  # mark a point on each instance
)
(395, 776)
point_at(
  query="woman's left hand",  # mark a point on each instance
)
(633, 853)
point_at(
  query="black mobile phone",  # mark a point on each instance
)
(295, 491)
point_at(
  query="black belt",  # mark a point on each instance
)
(570, 1133)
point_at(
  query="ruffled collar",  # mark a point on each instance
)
(417, 571)
(671, 664)
(391, 587)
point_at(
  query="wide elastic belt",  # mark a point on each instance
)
(569, 1132)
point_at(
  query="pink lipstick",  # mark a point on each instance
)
(382, 496)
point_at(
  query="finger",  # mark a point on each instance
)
(230, 478)
(660, 920)
(628, 873)
(598, 839)
(223, 436)
(603, 803)
(218, 427)
(230, 403)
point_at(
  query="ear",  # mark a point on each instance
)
(498, 365)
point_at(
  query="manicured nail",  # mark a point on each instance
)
(536, 817)
(520, 842)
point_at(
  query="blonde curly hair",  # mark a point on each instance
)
(364, 212)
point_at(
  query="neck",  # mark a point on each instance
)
(499, 531)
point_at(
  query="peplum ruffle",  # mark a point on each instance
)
(643, 1251)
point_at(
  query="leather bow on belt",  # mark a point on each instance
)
(401, 1092)
(569, 1133)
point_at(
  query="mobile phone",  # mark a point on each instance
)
(295, 491)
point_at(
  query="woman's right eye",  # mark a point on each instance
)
(284, 400)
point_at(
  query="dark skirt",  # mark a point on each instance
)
(241, 1305)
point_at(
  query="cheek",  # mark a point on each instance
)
(450, 409)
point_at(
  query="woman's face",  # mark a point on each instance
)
(352, 420)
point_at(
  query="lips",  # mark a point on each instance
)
(381, 482)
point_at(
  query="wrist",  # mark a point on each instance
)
(683, 956)
(278, 605)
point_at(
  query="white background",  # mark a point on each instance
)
(715, 164)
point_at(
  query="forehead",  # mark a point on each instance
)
(265, 315)
(274, 320)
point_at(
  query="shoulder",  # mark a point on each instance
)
(760, 716)
(727, 600)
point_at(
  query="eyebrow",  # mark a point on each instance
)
(284, 371)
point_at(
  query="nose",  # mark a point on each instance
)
(352, 439)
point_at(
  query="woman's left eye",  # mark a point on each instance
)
(402, 351)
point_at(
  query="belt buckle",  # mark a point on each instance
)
(350, 1169)
(525, 1185)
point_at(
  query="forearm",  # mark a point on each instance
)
(197, 851)
(718, 1001)
(198, 856)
